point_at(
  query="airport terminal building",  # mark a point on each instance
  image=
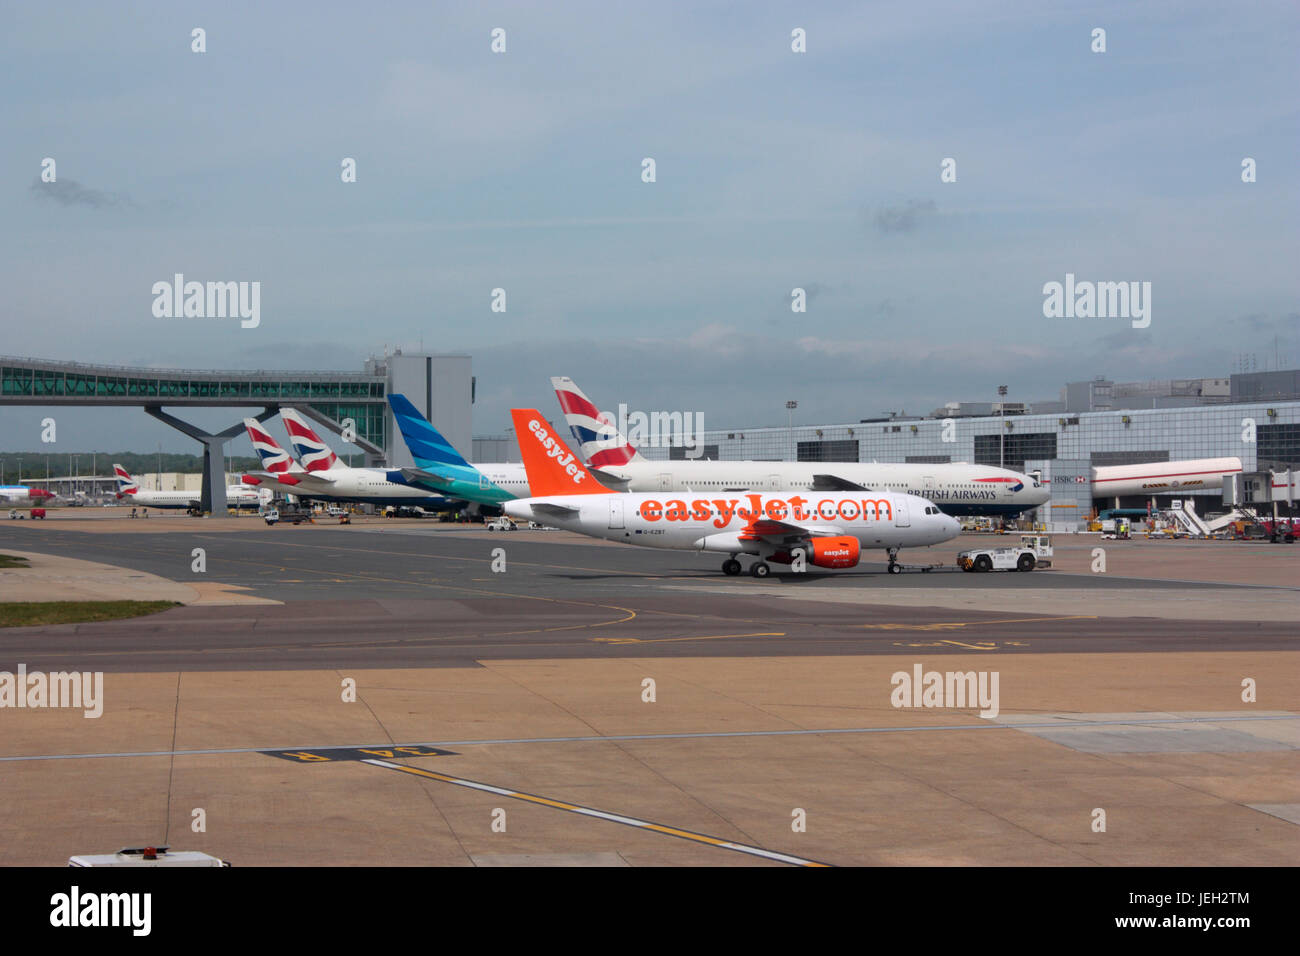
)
(1254, 417)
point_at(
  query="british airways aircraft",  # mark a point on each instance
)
(323, 477)
(958, 489)
(128, 489)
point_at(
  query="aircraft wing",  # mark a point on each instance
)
(771, 528)
(426, 477)
(611, 481)
(547, 508)
(835, 483)
(294, 483)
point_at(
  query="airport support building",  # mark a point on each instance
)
(1254, 417)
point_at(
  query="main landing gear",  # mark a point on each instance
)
(759, 569)
(894, 566)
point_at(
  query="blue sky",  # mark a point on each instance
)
(774, 170)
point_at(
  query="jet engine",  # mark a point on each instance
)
(841, 552)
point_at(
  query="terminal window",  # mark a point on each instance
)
(678, 453)
(1278, 444)
(843, 450)
(1017, 449)
(1103, 458)
(928, 459)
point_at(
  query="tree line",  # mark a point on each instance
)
(32, 464)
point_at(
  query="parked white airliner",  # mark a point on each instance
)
(323, 477)
(128, 489)
(826, 529)
(20, 497)
(958, 489)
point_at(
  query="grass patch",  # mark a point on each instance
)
(9, 561)
(39, 613)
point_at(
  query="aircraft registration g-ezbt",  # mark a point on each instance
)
(958, 489)
(830, 528)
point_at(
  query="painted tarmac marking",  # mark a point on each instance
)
(601, 815)
(950, 625)
(705, 735)
(330, 754)
(671, 640)
(978, 646)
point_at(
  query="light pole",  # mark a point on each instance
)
(790, 406)
(1002, 428)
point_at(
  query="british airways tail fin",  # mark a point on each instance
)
(599, 440)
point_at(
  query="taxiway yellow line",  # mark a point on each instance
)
(943, 625)
(670, 640)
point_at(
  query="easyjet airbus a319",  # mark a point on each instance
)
(826, 529)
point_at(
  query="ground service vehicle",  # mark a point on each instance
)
(147, 856)
(1034, 551)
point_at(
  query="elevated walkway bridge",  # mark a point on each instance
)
(326, 397)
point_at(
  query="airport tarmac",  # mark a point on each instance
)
(524, 693)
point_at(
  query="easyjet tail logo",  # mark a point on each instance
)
(563, 457)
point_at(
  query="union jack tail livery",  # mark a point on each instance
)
(599, 440)
(552, 469)
(126, 485)
(275, 459)
(314, 454)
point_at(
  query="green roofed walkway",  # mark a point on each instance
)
(327, 397)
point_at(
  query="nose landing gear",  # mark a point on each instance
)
(894, 566)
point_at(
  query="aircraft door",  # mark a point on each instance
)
(616, 511)
(666, 481)
(774, 483)
(928, 484)
(901, 518)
